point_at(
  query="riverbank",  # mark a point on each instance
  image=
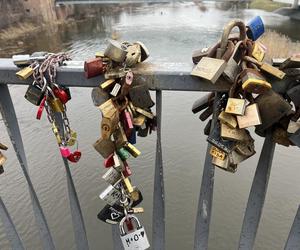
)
(266, 5)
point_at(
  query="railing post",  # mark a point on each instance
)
(257, 194)
(10, 229)
(206, 195)
(9, 116)
(77, 218)
(158, 219)
(293, 241)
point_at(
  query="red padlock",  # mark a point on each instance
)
(61, 94)
(127, 171)
(109, 161)
(94, 67)
(74, 157)
(41, 109)
(127, 123)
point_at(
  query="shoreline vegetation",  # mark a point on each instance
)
(267, 5)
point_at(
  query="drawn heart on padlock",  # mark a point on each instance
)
(61, 94)
(41, 109)
(114, 216)
(74, 157)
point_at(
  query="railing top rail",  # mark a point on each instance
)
(158, 76)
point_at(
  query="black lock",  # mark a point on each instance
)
(207, 127)
(143, 132)
(34, 94)
(294, 95)
(140, 96)
(203, 102)
(111, 214)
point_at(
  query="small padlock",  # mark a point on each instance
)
(72, 138)
(139, 120)
(233, 134)
(144, 112)
(126, 83)
(94, 67)
(115, 73)
(235, 105)
(144, 51)
(127, 171)
(203, 102)
(35, 93)
(127, 123)
(250, 118)
(62, 93)
(108, 109)
(137, 239)
(64, 151)
(99, 96)
(26, 72)
(123, 154)
(111, 214)
(120, 138)
(105, 147)
(140, 96)
(116, 51)
(127, 184)
(280, 136)
(258, 51)
(111, 176)
(246, 148)
(224, 164)
(54, 102)
(228, 119)
(292, 62)
(111, 194)
(255, 28)
(109, 125)
(293, 126)
(56, 133)
(217, 153)
(133, 55)
(132, 150)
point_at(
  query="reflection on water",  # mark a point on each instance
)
(171, 32)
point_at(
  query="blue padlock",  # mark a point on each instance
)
(132, 138)
(255, 28)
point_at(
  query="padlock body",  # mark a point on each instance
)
(255, 28)
(34, 94)
(235, 106)
(136, 240)
(25, 73)
(105, 147)
(94, 67)
(55, 104)
(250, 118)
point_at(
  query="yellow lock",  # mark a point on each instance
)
(258, 51)
(24, 73)
(108, 108)
(144, 112)
(107, 83)
(55, 104)
(56, 133)
(217, 153)
(99, 54)
(132, 150)
(73, 138)
(128, 185)
(139, 121)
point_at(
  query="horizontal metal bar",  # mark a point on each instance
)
(158, 76)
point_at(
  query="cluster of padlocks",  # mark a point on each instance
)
(48, 95)
(254, 98)
(125, 106)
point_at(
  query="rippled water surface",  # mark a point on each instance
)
(171, 32)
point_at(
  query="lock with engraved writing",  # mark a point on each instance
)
(135, 238)
(235, 104)
(35, 93)
(94, 67)
(111, 194)
(133, 55)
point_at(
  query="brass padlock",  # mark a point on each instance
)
(139, 120)
(114, 73)
(217, 153)
(233, 134)
(246, 148)
(128, 185)
(132, 150)
(144, 113)
(72, 139)
(133, 55)
(144, 51)
(105, 147)
(2, 158)
(258, 51)
(224, 164)
(235, 105)
(116, 51)
(56, 133)
(108, 109)
(120, 138)
(108, 83)
(250, 118)
(55, 103)
(26, 72)
(228, 119)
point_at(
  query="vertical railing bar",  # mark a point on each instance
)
(293, 241)
(117, 243)
(10, 229)
(206, 194)
(158, 219)
(11, 122)
(257, 194)
(77, 217)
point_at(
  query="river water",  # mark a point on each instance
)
(171, 32)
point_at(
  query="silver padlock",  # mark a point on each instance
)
(135, 239)
(116, 51)
(112, 176)
(111, 194)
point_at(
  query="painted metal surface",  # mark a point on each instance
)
(293, 241)
(9, 116)
(257, 195)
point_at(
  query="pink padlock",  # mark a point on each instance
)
(65, 152)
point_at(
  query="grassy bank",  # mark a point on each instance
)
(266, 5)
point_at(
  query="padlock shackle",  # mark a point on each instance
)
(129, 216)
(226, 32)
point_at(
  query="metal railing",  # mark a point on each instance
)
(162, 77)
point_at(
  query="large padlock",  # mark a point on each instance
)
(272, 108)
(255, 28)
(116, 51)
(140, 96)
(94, 67)
(108, 109)
(137, 238)
(228, 119)
(105, 147)
(35, 93)
(233, 134)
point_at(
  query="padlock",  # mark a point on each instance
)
(132, 150)
(143, 130)
(280, 136)
(140, 96)
(111, 214)
(216, 140)
(139, 120)
(144, 112)
(295, 138)
(3, 159)
(115, 73)
(72, 138)
(21, 60)
(105, 147)
(133, 55)
(94, 67)
(144, 51)
(3, 147)
(132, 137)
(123, 154)
(233, 134)
(293, 126)
(111, 176)
(253, 81)
(235, 105)
(26, 72)
(126, 83)
(205, 52)
(107, 84)
(109, 125)
(64, 151)
(255, 28)
(75, 156)
(99, 54)
(294, 95)
(115, 90)
(99, 96)
(111, 195)
(116, 51)
(206, 113)
(228, 119)
(292, 62)
(250, 118)
(41, 109)
(137, 239)
(126, 121)
(258, 51)
(108, 109)
(235, 158)
(217, 153)
(55, 103)
(233, 64)
(62, 93)
(224, 164)
(118, 165)
(35, 93)
(203, 102)
(56, 133)
(207, 127)
(127, 184)
(127, 171)
(246, 148)
(120, 138)
(266, 67)
(272, 108)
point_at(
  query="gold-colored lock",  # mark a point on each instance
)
(258, 51)
(108, 83)
(109, 125)
(105, 147)
(250, 118)
(24, 73)
(2, 158)
(224, 164)
(144, 112)
(3, 147)
(132, 150)
(120, 138)
(128, 185)
(135, 194)
(56, 133)
(235, 106)
(233, 134)
(99, 54)
(108, 108)
(217, 153)
(139, 120)
(136, 210)
(228, 119)
(73, 138)
(55, 104)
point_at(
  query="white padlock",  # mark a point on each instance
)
(135, 239)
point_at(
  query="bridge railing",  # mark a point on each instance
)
(159, 77)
